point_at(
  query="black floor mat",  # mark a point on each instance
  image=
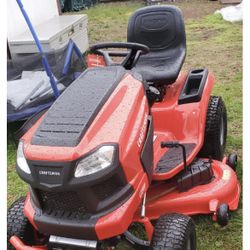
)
(173, 157)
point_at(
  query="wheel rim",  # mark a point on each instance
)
(222, 132)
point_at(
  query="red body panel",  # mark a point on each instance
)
(29, 211)
(95, 61)
(119, 121)
(184, 123)
(19, 245)
(164, 198)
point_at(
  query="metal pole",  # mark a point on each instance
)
(39, 46)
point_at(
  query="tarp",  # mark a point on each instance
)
(28, 87)
(231, 13)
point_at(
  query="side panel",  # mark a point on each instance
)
(184, 122)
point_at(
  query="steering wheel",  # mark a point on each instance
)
(131, 56)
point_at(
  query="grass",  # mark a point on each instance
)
(211, 43)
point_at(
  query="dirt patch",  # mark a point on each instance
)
(195, 9)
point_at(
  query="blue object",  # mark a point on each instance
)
(24, 114)
(40, 48)
(71, 48)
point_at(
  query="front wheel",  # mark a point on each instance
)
(223, 215)
(174, 232)
(232, 161)
(18, 224)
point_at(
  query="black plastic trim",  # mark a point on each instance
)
(65, 180)
(66, 228)
(193, 87)
(84, 187)
(173, 157)
(81, 229)
(72, 113)
(147, 156)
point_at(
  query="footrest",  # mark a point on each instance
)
(173, 157)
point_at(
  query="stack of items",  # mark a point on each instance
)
(76, 5)
(31, 86)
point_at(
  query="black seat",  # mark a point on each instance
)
(162, 29)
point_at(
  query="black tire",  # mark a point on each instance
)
(174, 232)
(216, 129)
(232, 161)
(18, 224)
(223, 215)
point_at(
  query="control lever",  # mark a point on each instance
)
(176, 144)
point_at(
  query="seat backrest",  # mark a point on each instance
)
(162, 29)
(158, 27)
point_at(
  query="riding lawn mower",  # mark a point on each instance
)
(130, 142)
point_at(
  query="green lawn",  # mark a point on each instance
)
(211, 43)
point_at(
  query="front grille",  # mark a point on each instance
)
(108, 188)
(66, 205)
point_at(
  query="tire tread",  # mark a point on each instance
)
(17, 223)
(171, 232)
(211, 146)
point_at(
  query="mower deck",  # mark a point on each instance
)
(164, 197)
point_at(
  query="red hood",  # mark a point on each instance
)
(126, 103)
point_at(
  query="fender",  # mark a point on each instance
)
(184, 122)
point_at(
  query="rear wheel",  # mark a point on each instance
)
(216, 129)
(18, 224)
(174, 232)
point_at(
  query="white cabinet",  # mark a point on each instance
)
(53, 34)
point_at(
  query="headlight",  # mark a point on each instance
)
(21, 161)
(97, 161)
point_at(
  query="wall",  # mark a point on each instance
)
(38, 11)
